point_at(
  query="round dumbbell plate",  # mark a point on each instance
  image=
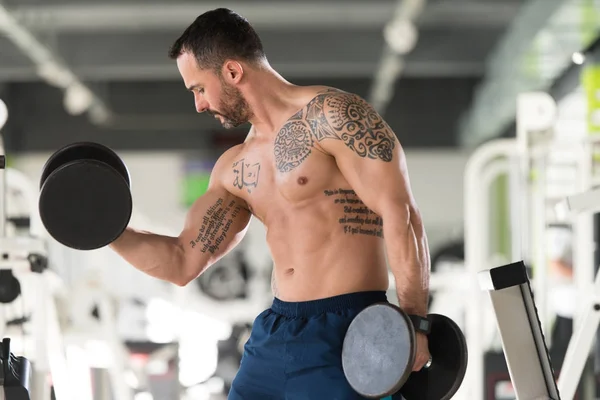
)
(84, 151)
(443, 378)
(85, 199)
(378, 351)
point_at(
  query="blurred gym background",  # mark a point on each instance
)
(444, 74)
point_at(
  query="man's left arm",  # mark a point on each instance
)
(371, 159)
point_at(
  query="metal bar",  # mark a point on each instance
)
(588, 201)
(476, 258)
(3, 187)
(523, 342)
(581, 342)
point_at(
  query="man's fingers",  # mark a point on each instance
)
(420, 362)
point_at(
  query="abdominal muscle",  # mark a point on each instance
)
(315, 257)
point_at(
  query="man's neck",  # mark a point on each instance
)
(271, 98)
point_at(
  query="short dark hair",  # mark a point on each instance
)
(216, 36)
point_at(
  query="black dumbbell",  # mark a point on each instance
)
(85, 198)
(379, 353)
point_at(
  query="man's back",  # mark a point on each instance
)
(323, 239)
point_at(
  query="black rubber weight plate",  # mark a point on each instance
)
(378, 351)
(84, 151)
(443, 378)
(85, 204)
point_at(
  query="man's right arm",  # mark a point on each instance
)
(215, 224)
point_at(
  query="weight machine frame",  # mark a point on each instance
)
(15, 255)
(518, 316)
(537, 114)
(584, 333)
(523, 341)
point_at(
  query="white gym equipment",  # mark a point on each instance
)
(525, 350)
(523, 323)
(47, 344)
(46, 339)
(529, 217)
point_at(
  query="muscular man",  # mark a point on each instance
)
(328, 179)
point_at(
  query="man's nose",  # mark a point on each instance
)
(201, 104)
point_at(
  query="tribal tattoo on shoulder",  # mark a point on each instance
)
(334, 114)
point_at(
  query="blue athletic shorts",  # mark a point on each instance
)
(295, 350)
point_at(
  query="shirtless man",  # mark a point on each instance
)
(321, 170)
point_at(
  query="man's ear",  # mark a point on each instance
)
(232, 71)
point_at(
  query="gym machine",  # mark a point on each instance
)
(584, 333)
(525, 349)
(24, 264)
(519, 159)
(15, 372)
(522, 322)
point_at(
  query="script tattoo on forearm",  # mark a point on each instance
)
(358, 219)
(216, 224)
(334, 114)
(245, 175)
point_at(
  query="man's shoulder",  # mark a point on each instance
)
(334, 98)
(325, 91)
(223, 172)
(227, 159)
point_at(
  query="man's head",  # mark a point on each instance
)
(211, 56)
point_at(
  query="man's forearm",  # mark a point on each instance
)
(408, 256)
(159, 256)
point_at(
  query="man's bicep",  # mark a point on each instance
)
(215, 223)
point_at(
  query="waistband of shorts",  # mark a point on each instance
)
(357, 300)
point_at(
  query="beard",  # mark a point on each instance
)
(233, 109)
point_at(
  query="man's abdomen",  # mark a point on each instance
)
(322, 265)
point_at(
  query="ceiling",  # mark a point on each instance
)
(118, 49)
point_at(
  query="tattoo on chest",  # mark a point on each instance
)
(293, 144)
(355, 217)
(216, 225)
(245, 175)
(336, 115)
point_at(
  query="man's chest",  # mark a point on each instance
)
(260, 177)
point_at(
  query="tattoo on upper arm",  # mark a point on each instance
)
(215, 226)
(360, 127)
(357, 218)
(337, 115)
(245, 175)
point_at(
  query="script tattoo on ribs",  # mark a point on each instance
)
(246, 175)
(334, 114)
(358, 219)
(216, 225)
